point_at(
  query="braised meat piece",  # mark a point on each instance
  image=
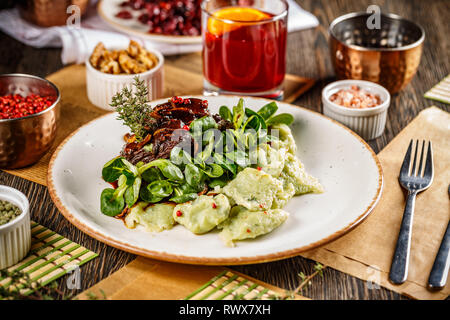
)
(222, 124)
(167, 139)
(133, 151)
(186, 110)
(172, 119)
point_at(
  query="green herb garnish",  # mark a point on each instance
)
(134, 109)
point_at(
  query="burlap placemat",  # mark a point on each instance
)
(367, 251)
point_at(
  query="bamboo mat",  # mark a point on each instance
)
(76, 110)
(51, 256)
(440, 92)
(147, 279)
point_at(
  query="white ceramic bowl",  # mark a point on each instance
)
(344, 164)
(369, 123)
(101, 87)
(15, 236)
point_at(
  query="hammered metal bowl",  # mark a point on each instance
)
(49, 13)
(23, 141)
(388, 55)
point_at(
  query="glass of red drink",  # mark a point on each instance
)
(244, 47)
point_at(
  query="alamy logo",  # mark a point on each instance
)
(74, 20)
(74, 279)
(374, 20)
(373, 278)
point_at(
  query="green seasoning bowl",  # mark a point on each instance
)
(15, 235)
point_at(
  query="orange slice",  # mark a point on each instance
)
(238, 15)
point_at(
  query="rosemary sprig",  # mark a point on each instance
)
(306, 279)
(319, 268)
(134, 109)
(93, 296)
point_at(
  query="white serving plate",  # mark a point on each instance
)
(346, 166)
(108, 10)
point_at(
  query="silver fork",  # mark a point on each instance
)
(414, 181)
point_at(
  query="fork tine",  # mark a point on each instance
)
(413, 170)
(419, 172)
(406, 160)
(428, 173)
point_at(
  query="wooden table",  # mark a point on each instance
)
(308, 56)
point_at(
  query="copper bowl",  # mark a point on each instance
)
(48, 13)
(388, 56)
(23, 141)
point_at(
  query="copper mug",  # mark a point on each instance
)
(48, 13)
(388, 55)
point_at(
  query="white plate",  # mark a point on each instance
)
(346, 166)
(108, 10)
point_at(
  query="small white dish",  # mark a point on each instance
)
(15, 236)
(101, 87)
(369, 123)
(346, 166)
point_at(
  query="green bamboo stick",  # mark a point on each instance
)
(214, 279)
(240, 284)
(35, 233)
(249, 289)
(223, 284)
(261, 293)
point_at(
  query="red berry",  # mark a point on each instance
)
(124, 14)
(214, 205)
(176, 99)
(16, 106)
(144, 18)
(173, 17)
(179, 213)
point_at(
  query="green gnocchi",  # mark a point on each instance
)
(203, 214)
(253, 189)
(246, 224)
(154, 217)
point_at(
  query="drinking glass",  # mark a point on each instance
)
(244, 47)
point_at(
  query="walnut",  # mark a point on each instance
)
(130, 65)
(110, 67)
(135, 59)
(134, 49)
(147, 59)
(97, 55)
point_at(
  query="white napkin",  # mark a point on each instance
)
(78, 43)
(299, 19)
